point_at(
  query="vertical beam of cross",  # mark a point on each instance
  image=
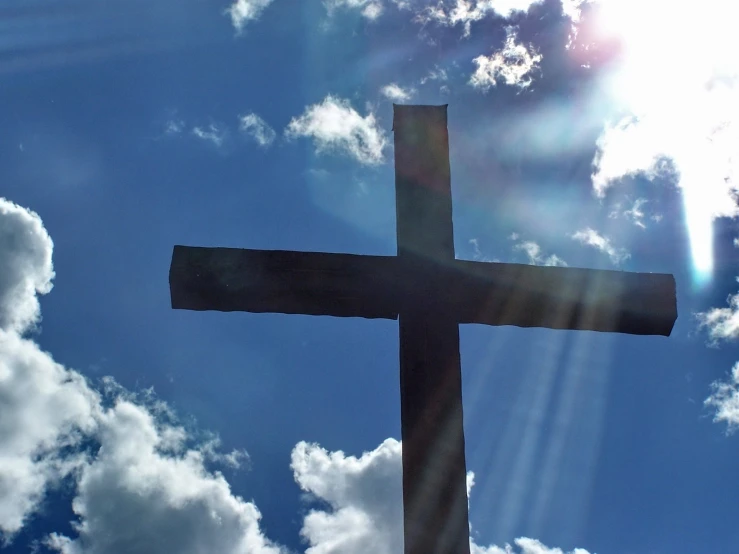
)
(434, 475)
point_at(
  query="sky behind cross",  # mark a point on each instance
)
(578, 140)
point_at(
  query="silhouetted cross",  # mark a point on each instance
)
(431, 293)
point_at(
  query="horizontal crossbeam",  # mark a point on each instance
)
(348, 285)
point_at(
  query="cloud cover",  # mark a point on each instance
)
(142, 471)
(141, 480)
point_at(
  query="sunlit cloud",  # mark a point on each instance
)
(466, 12)
(335, 126)
(679, 96)
(591, 237)
(362, 510)
(512, 65)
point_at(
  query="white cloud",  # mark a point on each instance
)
(244, 11)
(736, 243)
(139, 486)
(212, 134)
(25, 251)
(141, 481)
(364, 495)
(680, 93)
(590, 237)
(513, 65)
(721, 323)
(44, 408)
(257, 128)
(535, 255)
(468, 11)
(724, 399)
(371, 9)
(395, 92)
(335, 125)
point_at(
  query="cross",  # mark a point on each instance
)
(430, 292)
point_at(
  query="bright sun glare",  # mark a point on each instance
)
(677, 74)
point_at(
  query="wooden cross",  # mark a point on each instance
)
(430, 293)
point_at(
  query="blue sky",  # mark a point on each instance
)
(575, 138)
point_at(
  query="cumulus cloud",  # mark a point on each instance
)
(512, 65)
(25, 251)
(213, 134)
(466, 12)
(257, 128)
(46, 410)
(724, 399)
(590, 237)
(244, 11)
(534, 253)
(335, 126)
(143, 478)
(132, 466)
(396, 93)
(364, 498)
(721, 323)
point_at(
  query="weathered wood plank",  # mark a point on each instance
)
(434, 473)
(313, 283)
(347, 285)
(561, 298)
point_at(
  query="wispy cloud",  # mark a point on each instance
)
(244, 11)
(512, 65)
(174, 127)
(257, 128)
(535, 254)
(721, 323)
(635, 213)
(436, 74)
(335, 126)
(590, 237)
(212, 133)
(371, 9)
(395, 92)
